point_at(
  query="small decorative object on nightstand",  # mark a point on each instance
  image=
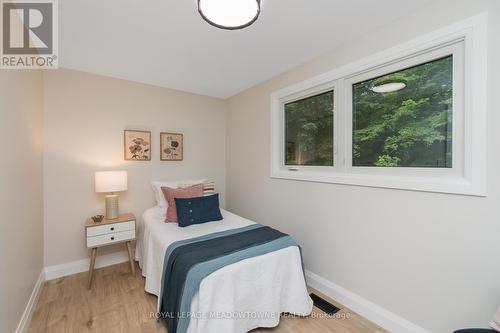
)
(97, 218)
(107, 232)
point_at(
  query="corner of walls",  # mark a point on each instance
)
(84, 119)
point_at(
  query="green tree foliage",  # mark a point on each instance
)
(410, 127)
(309, 131)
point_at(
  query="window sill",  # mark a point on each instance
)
(448, 185)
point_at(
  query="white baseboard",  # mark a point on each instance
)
(371, 311)
(78, 266)
(24, 323)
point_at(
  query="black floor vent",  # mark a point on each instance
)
(324, 305)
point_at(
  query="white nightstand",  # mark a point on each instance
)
(107, 232)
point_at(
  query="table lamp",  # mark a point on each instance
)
(111, 182)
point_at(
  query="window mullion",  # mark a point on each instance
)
(339, 128)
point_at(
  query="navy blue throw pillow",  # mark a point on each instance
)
(198, 210)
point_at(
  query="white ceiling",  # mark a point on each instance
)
(166, 43)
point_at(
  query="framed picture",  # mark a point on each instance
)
(171, 146)
(137, 145)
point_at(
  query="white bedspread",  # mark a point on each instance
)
(237, 298)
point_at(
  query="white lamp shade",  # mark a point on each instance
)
(110, 181)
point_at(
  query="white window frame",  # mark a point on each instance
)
(467, 42)
(297, 97)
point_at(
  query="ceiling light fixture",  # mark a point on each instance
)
(391, 86)
(229, 14)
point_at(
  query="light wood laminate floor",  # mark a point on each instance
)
(117, 302)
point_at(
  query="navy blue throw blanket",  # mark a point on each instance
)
(184, 257)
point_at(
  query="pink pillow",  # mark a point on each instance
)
(181, 192)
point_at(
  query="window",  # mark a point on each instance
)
(412, 117)
(403, 119)
(309, 130)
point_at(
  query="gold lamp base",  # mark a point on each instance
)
(112, 206)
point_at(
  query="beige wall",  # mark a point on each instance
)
(431, 258)
(21, 229)
(84, 119)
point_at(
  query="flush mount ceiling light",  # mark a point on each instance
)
(229, 14)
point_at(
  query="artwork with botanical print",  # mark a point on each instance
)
(171, 146)
(137, 145)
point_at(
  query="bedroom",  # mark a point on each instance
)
(397, 243)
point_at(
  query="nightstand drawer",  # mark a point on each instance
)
(110, 238)
(110, 228)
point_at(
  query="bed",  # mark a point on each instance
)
(239, 297)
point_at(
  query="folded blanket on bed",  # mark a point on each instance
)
(188, 262)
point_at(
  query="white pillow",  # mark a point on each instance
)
(157, 185)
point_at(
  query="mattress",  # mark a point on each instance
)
(237, 298)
